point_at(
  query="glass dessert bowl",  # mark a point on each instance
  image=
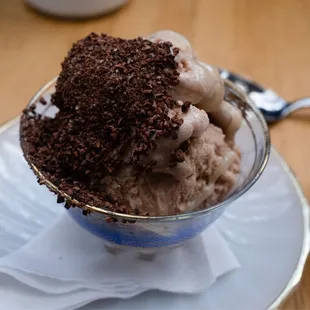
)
(149, 233)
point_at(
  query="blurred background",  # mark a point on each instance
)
(265, 40)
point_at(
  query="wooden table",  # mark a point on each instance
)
(267, 40)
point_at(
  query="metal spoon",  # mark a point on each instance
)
(273, 107)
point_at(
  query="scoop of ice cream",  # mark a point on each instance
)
(200, 84)
(195, 123)
(211, 165)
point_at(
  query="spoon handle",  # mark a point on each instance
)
(295, 105)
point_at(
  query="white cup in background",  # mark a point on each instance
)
(75, 8)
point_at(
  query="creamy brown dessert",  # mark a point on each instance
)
(142, 127)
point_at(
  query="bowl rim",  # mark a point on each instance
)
(183, 216)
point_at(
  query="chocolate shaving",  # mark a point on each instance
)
(43, 101)
(60, 199)
(177, 156)
(185, 107)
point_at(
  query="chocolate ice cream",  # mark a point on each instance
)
(142, 127)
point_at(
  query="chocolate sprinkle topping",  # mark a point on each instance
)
(113, 97)
(185, 107)
(43, 101)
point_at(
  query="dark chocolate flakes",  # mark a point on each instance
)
(185, 107)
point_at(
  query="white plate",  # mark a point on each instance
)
(268, 229)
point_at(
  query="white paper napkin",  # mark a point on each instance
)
(65, 267)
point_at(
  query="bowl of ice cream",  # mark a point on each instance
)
(144, 144)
